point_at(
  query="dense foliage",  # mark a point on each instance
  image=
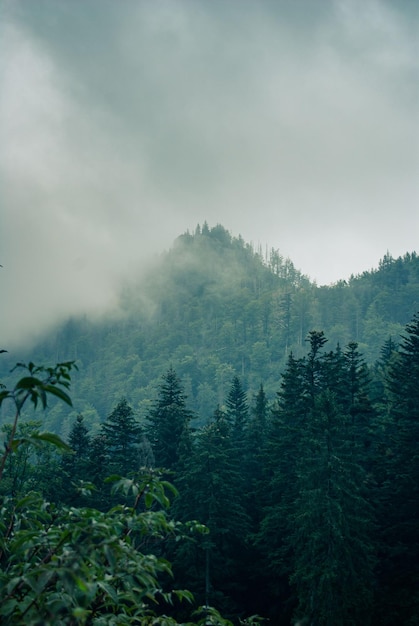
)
(78, 565)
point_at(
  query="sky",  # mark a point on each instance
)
(123, 124)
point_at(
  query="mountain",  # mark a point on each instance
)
(213, 307)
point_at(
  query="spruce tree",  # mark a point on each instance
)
(168, 423)
(210, 492)
(254, 452)
(122, 438)
(314, 370)
(97, 471)
(282, 450)
(256, 478)
(331, 528)
(75, 466)
(399, 501)
(331, 532)
(318, 524)
(237, 409)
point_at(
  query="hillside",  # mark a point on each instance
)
(213, 307)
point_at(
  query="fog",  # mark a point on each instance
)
(123, 124)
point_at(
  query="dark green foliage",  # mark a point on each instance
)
(37, 386)
(79, 439)
(210, 490)
(399, 485)
(255, 442)
(168, 423)
(313, 370)
(237, 410)
(122, 438)
(318, 525)
(97, 465)
(77, 565)
(280, 489)
(19, 466)
(80, 566)
(118, 449)
(75, 466)
(331, 528)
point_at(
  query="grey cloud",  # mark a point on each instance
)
(124, 124)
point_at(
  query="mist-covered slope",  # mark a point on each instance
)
(213, 307)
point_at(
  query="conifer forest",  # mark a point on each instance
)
(233, 445)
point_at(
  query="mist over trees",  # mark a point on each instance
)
(285, 415)
(213, 308)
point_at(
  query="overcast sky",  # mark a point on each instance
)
(124, 123)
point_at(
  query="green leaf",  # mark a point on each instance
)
(28, 382)
(81, 614)
(7, 607)
(113, 478)
(81, 584)
(3, 395)
(109, 590)
(43, 397)
(50, 438)
(170, 487)
(184, 594)
(59, 393)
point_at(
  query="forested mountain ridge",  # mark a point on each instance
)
(213, 308)
(297, 458)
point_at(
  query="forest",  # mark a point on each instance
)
(236, 441)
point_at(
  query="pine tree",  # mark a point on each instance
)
(314, 370)
(363, 423)
(255, 443)
(254, 463)
(331, 529)
(288, 421)
(75, 466)
(237, 409)
(168, 422)
(331, 519)
(117, 450)
(318, 526)
(122, 438)
(210, 492)
(97, 471)
(380, 371)
(122, 435)
(399, 502)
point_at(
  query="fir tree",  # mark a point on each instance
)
(399, 503)
(168, 422)
(318, 522)
(288, 421)
(122, 438)
(331, 529)
(255, 442)
(314, 370)
(237, 409)
(75, 466)
(210, 492)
